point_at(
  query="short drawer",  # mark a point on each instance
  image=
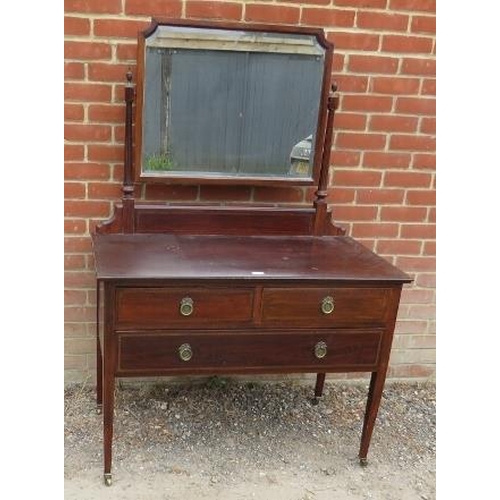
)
(162, 308)
(237, 352)
(324, 307)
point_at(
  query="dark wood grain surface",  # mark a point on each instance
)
(146, 256)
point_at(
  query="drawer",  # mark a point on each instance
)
(239, 352)
(324, 307)
(162, 308)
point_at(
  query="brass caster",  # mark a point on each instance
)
(315, 401)
(107, 479)
(98, 410)
(363, 461)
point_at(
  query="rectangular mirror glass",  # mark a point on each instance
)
(230, 104)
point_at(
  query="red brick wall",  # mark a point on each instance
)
(383, 161)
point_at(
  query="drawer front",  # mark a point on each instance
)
(324, 307)
(162, 308)
(355, 350)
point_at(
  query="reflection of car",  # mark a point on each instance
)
(299, 158)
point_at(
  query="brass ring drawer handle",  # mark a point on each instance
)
(186, 307)
(327, 305)
(185, 352)
(320, 350)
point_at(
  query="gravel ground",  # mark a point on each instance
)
(228, 439)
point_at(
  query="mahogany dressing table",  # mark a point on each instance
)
(235, 289)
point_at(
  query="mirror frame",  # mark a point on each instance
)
(251, 180)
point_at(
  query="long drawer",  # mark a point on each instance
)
(245, 351)
(189, 307)
(324, 307)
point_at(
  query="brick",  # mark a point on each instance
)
(410, 327)
(340, 195)
(126, 52)
(367, 4)
(315, 2)
(411, 5)
(102, 152)
(398, 247)
(327, 17)
(366, 103)
(394, 85)
(87, 50)
(393, 123)
(376, 159)
(382, 21)
(75, 226)
(352, 178)
(418, 296)
(93, 6)
(372, 64)
(350, 121)
(106, 113)
(278, 194)
(74, 190)
(85, 133)
(412, 142)
(272, 13)
(73, 112)
(173, 192)
(354, 41)
(338, 62)
(87, 92)
(423, 24)
(429, 248)
(428, 126)
(74, 71)
(86, 171)
(423, 311)
(77, 244)
(73, 152)
(160, 8)
(355, 213)
(104, 190)
(74, 262)
(351, 140)
(380, 196)
(423, 66)
(416, 105)
(413, 371)
(74, 362)
(214, 10)
(426, 280)
(422, 342)
(225, 193)
(421, 197)
(86, 208)
(76, 26)
(345, 158)
(374, 230)
(420, 231)
(352, 84)
(429, 87)
(407, 179)
(119, 28)
(403, 214)
(78, 279)
(79, 346)
(425, 161)
(407, 44)
(416, 264)
(109, 72)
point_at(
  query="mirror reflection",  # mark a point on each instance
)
(230, 103)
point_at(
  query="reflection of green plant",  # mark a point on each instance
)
(159, 161)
